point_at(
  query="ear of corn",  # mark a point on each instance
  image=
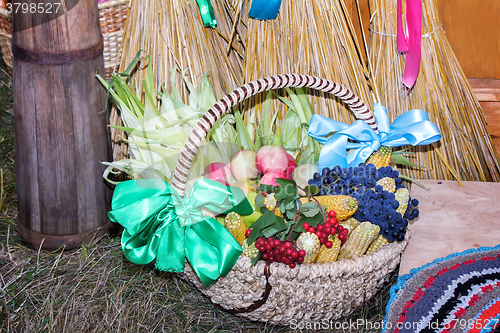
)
(345, 206)
(359, 240)
(270, 202)
(388, 183)
(235, 225)
(402, 196)
(249, 250)
(350, 224)
(310, 243)
(329, 254)
(380, 158)
(377, 244)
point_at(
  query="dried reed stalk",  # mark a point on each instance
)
(172, 32)
(314, 37)
(441, 89)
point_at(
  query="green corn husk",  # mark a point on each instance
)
(156, 136)
(295, 125)
(173, 33)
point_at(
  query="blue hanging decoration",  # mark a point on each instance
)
(264, 9)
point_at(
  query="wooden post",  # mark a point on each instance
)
(60, 131)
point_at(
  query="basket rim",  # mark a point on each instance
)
(346, 265)
(5, 13)
(112, 3)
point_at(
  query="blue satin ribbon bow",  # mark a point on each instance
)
(411, 128)
(162, 226)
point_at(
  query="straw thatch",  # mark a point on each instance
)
(465, 151)
(314, 37)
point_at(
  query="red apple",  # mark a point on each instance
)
(219, 172)
(270, 177)
(271, 158)
(291, 165)
(243, 165)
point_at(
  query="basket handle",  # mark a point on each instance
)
(206, 122)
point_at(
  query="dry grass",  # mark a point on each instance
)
(442, 90)
(94, 288)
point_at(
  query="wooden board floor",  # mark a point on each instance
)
(452, 219)
(487, 92)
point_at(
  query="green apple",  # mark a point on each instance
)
(220, 218)
(250, 219)
(245, 185)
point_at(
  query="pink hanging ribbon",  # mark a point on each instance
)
(411, 44)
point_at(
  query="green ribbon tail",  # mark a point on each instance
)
(207, 13)
(170, 254)
(211, 250)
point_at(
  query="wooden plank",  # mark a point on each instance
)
(472, 28)
(486, 90)
(452, 219)
(491, 112)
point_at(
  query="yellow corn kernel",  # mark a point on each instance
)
(388, 183)
(310, 243)
(249, 250)
(235, 225)
(359, 240)
(380, 158)
(402, 196)
(377, 244)
(270, 202)
(345, 206)
(329, 254)
(350, 224)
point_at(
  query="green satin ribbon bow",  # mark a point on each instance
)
(161, 225)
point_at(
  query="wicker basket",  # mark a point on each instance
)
(6, 38)
(272, 292)
(112, 17)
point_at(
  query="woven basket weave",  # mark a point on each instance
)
(6, 38)
(272, 292)
(112, 17)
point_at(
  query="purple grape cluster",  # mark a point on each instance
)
(375, 204)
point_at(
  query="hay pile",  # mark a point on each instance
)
(173, 34)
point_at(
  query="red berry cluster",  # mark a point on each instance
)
(330, 227)
(275, 250)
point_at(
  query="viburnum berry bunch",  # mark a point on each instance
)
(331, 226)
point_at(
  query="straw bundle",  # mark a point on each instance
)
(172, 32)
(465, 151)
(313, 37)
